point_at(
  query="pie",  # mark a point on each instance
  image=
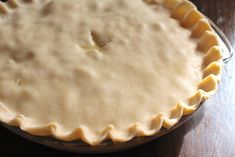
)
(94, 70)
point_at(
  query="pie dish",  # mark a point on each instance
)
(93, 70)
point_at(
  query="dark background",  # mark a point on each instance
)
(211, 133)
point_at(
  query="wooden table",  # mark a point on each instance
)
(211, 133)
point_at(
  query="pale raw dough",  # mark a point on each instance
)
(95, 62)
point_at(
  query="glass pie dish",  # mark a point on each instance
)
(108, 146)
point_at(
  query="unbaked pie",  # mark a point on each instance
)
(93, 70)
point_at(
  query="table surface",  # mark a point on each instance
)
(210, 133)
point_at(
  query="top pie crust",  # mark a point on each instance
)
(102, 69)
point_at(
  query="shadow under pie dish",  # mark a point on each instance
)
(94, 70)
